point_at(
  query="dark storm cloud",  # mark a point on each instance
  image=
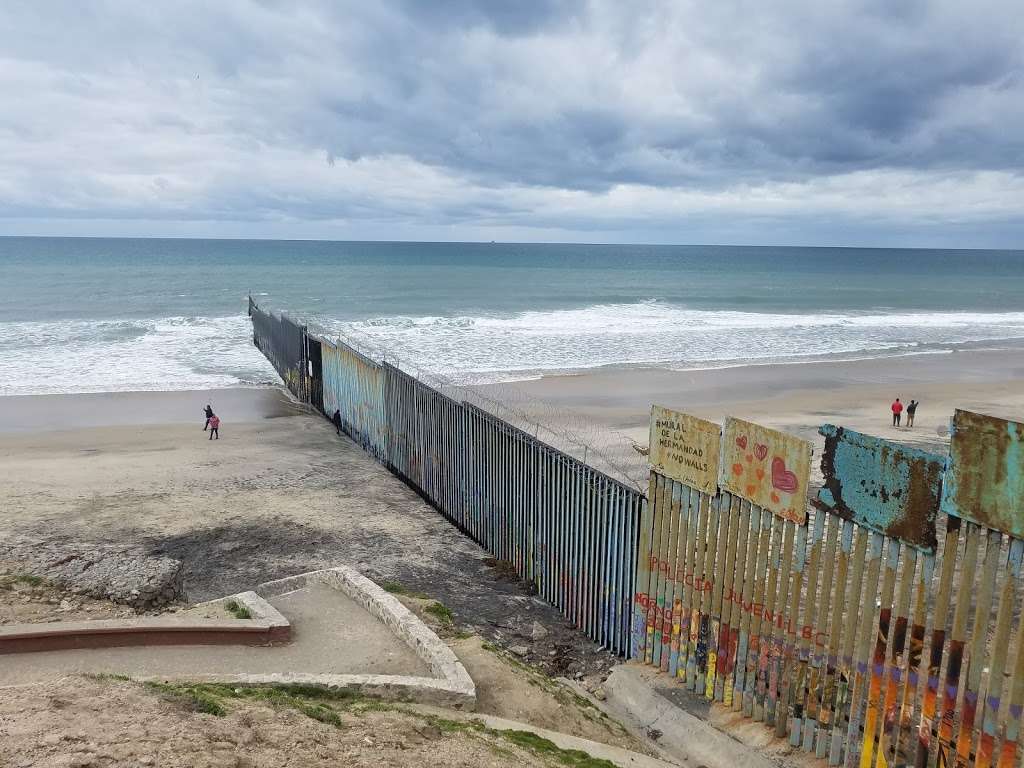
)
(561, 115)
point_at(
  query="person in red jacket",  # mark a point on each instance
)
(897, 409)
(214, 427)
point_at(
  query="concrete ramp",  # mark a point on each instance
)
(334, 628)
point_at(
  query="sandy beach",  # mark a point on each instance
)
(800, 397)
(279, 494)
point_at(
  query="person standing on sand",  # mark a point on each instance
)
(336, 420)
(214, 426)
(897, 409)
(911, 410)
(209, 415)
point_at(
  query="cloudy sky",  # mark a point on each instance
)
(846, 123)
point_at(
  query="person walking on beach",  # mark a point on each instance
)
(214, 426)
(209, 415)
(336, 420)
(897, 409)
(911, 410)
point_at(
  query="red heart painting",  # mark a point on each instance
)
(760, 451)
(782, 478)
(741, 441)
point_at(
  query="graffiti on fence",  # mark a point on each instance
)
(767, 467)
(685, 448)
(889, 488)
(985, 478)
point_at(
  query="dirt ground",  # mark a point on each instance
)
(272, 498)
(103, 722)
(110, 722)
(506, 687)
(24, 599)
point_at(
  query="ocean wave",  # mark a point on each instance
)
(198, 352)
(656, 316)
(474, 347)
(170, 353)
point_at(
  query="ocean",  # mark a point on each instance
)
(94, 315)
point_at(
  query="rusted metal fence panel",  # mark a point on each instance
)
(985, 479)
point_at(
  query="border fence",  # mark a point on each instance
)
(879, 626)
(567, 528)
(875, 632)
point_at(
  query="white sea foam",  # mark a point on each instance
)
(492, 347)
(207, 352)
(170, 353)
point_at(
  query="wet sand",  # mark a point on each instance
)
(33, 413)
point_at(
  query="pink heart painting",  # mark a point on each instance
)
(782, 478)
(741, 441)
(760, 450)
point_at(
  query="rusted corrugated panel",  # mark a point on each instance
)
(984, 481)
(889, 488)
(767, 467)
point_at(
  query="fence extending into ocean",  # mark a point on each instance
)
(879, 625)
(567, 528)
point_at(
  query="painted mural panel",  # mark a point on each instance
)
(767, 467)
(887, 487)
(984, 479)
(685, 448)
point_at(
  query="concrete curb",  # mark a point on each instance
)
(623, 758)
(261, 610)
(692, 741)
(268, 627)
(452, 686)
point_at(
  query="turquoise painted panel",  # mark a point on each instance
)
(887, 487)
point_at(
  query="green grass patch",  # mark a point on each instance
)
(538, 745)
(323, 704)
(397, 588)
(441, 612)
(7, 581)
(237, 610)
(312, 701)
(192, 697)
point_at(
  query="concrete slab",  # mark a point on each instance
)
(332, 635)
(633, 697)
